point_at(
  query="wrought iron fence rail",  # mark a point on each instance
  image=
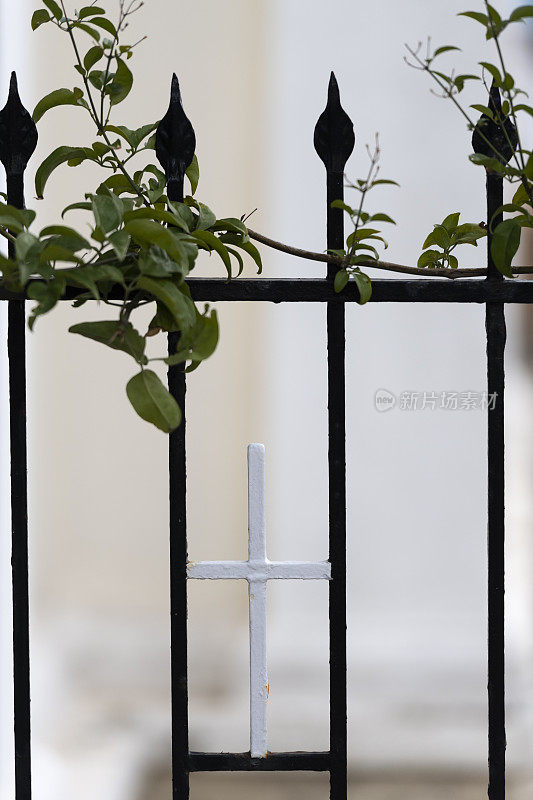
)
(334, 141)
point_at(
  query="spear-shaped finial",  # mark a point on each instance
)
(503, 139)
(175, 143)
(18, 134)
(334, 134)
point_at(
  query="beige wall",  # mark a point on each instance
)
(98, 475)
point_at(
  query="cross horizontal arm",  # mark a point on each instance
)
(259, 570)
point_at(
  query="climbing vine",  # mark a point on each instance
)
(145, 236)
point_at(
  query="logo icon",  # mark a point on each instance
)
(384, 400)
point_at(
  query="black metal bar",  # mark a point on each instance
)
(175, 144)
(319, 290)
(334, 142)
(272, 762)
(496, 336)
(502, 139)
(18, 139)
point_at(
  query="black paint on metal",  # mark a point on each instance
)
(18, 139)
(492, 139)
(320, 290)
(334, 142)
(506, 142)
(175, 143)
(272, 762)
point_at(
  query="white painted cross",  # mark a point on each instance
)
(257, 571)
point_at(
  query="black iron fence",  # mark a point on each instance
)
(334, 142)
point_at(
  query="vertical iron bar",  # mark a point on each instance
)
(334, 142)
(496, 336)
(178, 585)
(175, 145)
(16, 346)
(18, 139)
(337, 506)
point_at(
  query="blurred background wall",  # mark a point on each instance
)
(254, 79)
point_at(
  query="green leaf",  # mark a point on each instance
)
(147, 232)
(364, 285)
(459, 81)
(213, 243)
(199, 342)
(91, 31)
(445, 49)
(494, 71)
(521, 196)
(73, 206)
(521, 12)
(193, 173)
(153, 402)
(160, 216)
(429, 259)
(54, 8)
(381, 218)
(341, 279)
(115, 334)
(247, 246)
(15, 219)
(232, 225)
(59, 156)
(206, 218)
(468, 233)
(40, 17)
(27, 250)
(105, 24)
(383, 182)
(121, 85)
(451, 221)
(46, 294)
(179, 304)
(505, 243)
(90, 11)
(155, 263)
(342, 205)
(59, 97)
(92, 57)
(438, 236)
(476, 15)
(106, 212)
(453, 262)
(120, 242)
(490, 164)
(483, 110)
(237, 256)
(132, 137)
(524, 107)
(69, 237)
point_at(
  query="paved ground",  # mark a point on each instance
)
(315, 787)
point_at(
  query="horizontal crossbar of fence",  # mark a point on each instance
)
(273, 762)
(320, 290)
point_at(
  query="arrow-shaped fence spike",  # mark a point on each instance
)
(492, 139)
(334, 134)
(18, 133)
(175, 143)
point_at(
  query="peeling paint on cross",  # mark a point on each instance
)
(257, 571)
